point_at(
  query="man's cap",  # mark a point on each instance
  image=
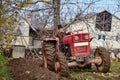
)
(60, 26)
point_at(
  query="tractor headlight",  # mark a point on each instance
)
(76, 37)
(86, 37)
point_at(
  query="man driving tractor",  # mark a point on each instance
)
(60, 34)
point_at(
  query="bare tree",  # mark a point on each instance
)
(42, 13)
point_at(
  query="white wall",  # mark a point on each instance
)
(22, 39)
(115, 25)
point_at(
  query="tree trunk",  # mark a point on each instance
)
(56, 6)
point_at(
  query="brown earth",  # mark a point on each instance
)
(29, 69)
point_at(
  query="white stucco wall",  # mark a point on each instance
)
(115, 25)
(23, 39)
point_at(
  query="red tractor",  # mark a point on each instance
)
(76, 52)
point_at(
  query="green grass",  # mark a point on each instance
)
(3, 69)
(115, 67)
(112, 75)
(73, 74)
(89, 78)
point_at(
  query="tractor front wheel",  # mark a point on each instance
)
(104, 56)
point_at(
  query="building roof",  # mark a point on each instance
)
(90, 15)
(109, 13)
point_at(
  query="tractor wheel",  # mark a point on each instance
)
(48, 55)
(103, 54)
(63, 69)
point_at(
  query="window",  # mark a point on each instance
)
(117, 38)
(101, 37)
(103, 21)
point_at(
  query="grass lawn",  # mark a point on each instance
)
(114, 74)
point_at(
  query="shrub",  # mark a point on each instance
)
(3, 68)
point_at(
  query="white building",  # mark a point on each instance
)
(22, 33)
(103, 26)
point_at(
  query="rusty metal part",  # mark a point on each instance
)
(45, 61)
(44, 57)
(57, 66)
(96, 60)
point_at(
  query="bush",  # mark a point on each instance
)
(3, 68)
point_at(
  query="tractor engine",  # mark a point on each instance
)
(77, 46)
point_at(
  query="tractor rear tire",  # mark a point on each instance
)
(49, 54)
(104, 55)
(60, 57)
(49, 51)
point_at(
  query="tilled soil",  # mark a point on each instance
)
(29, 69)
